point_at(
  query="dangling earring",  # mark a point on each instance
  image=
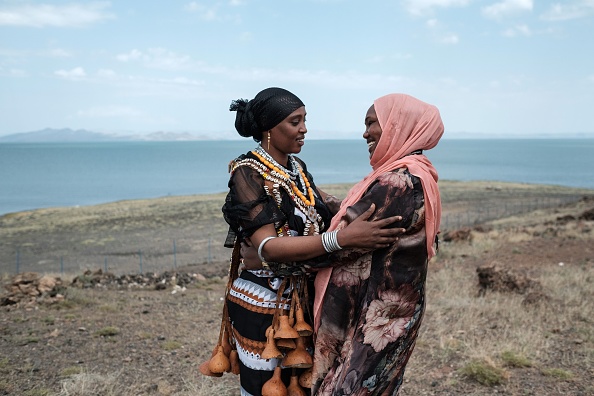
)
(268, 140)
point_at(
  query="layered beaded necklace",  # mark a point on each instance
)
(280, 176)
(274, 166)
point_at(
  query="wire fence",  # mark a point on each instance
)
(481, 213)
(207, 256)
(200, 256)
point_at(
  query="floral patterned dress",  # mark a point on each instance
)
(375, 299)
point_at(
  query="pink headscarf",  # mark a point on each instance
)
(408, 124)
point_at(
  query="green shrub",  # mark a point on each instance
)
(484, 373)
(558, 373)
(513, 360)
(108, 331)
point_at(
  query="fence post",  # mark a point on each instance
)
(18, 260)
(209, 242)
(62, 266)
(105, 264)
(174, 256)
(140, 260)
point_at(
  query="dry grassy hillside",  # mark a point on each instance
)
(525, 329)
(156, 235)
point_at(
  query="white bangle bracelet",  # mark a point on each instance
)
(330, 241)
(262, 247)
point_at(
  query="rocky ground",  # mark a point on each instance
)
(98, 333)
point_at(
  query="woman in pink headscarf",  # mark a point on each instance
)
(369, 303)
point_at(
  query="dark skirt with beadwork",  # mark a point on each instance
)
(259, 196)
(251, 304)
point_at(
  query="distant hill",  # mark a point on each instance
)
(67, 135)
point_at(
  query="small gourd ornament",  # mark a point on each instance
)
(275, 385)
(294, 389)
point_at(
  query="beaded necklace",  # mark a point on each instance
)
(277, 177)
(275, 166)
(292, 174)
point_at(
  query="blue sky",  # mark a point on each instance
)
(493, 67)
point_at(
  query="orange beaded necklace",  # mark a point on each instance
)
(308, 202)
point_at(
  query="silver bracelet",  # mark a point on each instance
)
(262, 246)
(330, 241)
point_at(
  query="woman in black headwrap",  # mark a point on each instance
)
(274, 207)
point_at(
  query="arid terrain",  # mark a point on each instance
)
(138, 303)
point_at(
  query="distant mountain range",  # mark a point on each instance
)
(66, 135)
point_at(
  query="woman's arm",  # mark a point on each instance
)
(393, 193)
(359, 234)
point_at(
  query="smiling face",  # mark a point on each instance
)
(373, 130)
(287, 137)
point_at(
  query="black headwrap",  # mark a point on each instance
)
(264, 112)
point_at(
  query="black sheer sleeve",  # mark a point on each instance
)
(247, 206)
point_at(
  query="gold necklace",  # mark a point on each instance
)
(308, 202)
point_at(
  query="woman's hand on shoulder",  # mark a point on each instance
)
(370, 234)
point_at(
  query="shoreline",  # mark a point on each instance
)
(338, 188)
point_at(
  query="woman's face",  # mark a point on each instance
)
(287, 137)
(373, 130)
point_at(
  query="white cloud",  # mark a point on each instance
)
(519, 30)
(317, 78)
(158, 58)
(441, 35)
(106, 73)
(450, 38)
(449, 81)
(78, 73)
(423, 7)
(246, 37)
(131, 56)
(139, 85)
(47, 53)
(58, 53)
(431, 23)
(216, 11)
(48, 15)
(591, 78)
(376, 59)
(12, 72)
(181, 81)
(382, 58)
(207, 13)
(507, 8)
(402, 56)
(575, 10)
(109, 112)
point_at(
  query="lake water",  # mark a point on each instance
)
(40, 175)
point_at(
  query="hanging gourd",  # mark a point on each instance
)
(219, 363)
(305, 378)
(284, 329)
(203, 368)
(275, 385)
(270, 350)
(294, 389)
(301, 326)
(234, 360)
(298, 357)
